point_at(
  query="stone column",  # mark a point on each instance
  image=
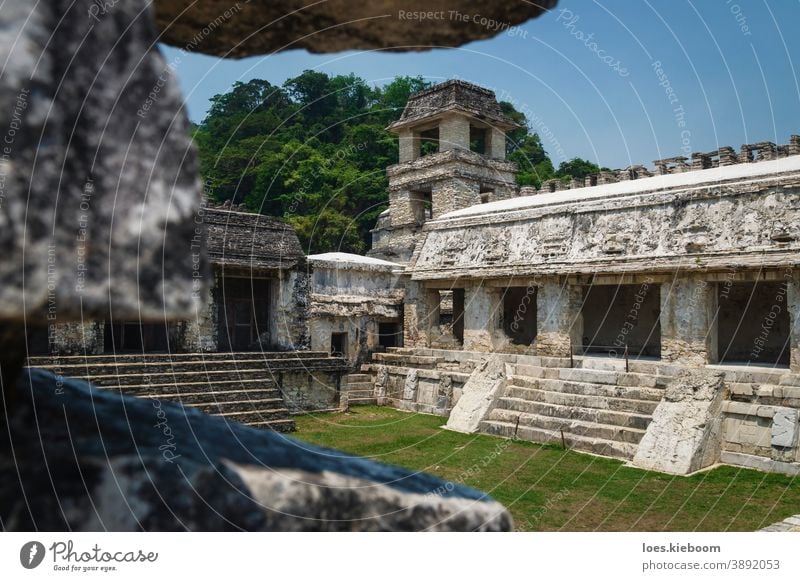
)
(419, 314)
(497, 143)
(408, 145)
(559, 319)
(454, 133)
(688, 305)
(480, 317)
(794, 321)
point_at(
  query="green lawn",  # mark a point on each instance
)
(547, 488)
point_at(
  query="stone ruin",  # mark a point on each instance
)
(604, 298)
(105, 244)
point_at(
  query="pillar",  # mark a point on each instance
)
(558, 316)
(419, 314)
(481, 311)
(688, 306)
(794, 321)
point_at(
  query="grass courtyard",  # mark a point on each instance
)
(547, 488)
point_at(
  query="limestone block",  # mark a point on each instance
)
(684, 434)
(784, 427)
(478, 395)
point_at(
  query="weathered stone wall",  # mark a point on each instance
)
(76, 338)
(309, 390)
(289, 312)
(199, 334)
(738, 224)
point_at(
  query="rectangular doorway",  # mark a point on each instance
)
(243, 314)
(622, 317)
(339, 344)
(753, 324)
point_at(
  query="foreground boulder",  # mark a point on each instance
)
(238, 29)
(85, 459)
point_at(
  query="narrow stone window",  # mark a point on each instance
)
(478, 141)
(429, 142)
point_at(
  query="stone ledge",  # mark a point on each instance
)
(759, 463)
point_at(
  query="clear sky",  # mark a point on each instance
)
(613, 81)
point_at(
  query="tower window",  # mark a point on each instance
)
(477, 139)
(429, 141)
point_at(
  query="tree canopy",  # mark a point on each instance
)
(314, 153)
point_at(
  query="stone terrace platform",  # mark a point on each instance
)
(253, 388)
(590, 403)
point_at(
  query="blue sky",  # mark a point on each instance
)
(613, 81)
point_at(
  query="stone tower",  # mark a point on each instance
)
(452, 155)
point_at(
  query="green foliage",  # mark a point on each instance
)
(577, 168)
(314, 152)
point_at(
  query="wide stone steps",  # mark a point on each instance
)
(601, 416)
(403, 360)
(581, 388)
(360, 389)
(173, 358)
(590, 444)
(211, 377)
(636, 406)
(578, 427)
(239, 387)
(219, 393)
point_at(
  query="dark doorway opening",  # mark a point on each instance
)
(388, 335)
(458, 315)
(616, 317)
(753, 324)
(519, 315)
(133, 336)
(243, 314)
(339, 344)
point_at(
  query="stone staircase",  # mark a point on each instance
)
(601, 411)
(241, 387)
(360, 389)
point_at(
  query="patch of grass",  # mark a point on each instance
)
(547, 488)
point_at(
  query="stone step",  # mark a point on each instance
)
(577, 427)
(360, 378)
(47, 361)
(643, 393)
(535, 371)
(637, 406)
(269, 408)
(285, 425)
(406, 360)
(181, 378)
(164, 367)
(361, 393)
(256, 416)
(363, 386)
(599, 416)
(589, 375)
(363, 401)
(202, 397)
(624, 450)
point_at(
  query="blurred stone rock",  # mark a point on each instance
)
(87, 459)
(100, 185)
(240, 29)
